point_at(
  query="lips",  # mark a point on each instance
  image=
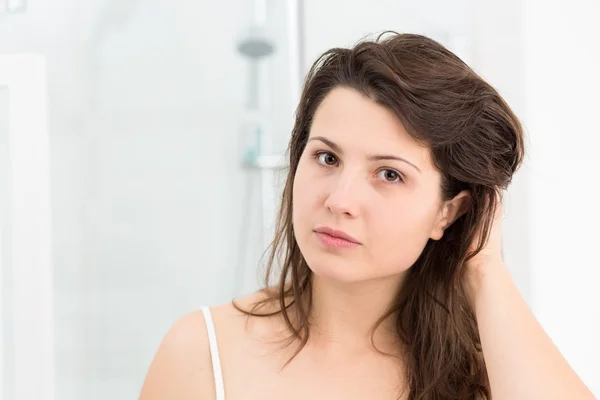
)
(337, 234)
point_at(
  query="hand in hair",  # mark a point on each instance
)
(489, 257)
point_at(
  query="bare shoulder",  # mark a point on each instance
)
(233, 322)
(181, 368)
(182, 365)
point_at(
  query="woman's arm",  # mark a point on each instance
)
(521, 360)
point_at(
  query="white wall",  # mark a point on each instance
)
(338, 23)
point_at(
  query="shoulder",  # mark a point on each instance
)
(234, 322)
(181, 367)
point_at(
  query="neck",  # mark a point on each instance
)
(344, 314)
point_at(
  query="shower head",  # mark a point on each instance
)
(255, 43)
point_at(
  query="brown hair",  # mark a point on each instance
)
(477, 144)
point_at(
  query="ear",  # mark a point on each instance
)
(451, 210)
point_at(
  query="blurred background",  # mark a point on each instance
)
(141, 146)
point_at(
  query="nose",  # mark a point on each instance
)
(344, 197)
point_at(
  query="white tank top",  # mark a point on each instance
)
(214, 354)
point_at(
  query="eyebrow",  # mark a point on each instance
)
(371, 157)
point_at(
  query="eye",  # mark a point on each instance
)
(326, 158)
(389, 175)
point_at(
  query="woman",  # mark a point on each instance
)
(392, 284)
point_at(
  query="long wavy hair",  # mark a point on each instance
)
(477, 144)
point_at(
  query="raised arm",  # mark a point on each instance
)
(521, 360)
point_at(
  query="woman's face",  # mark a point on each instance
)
(363, 176)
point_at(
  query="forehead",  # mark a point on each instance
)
(358, 124)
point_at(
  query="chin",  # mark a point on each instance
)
(336, 268)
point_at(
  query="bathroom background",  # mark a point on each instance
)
(141, 146)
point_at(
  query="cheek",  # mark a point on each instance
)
(401, 233)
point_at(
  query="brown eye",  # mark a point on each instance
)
(389, 175)
(327, 158)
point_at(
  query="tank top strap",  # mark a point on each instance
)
(214, 354)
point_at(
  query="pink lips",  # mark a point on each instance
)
(335, 238)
